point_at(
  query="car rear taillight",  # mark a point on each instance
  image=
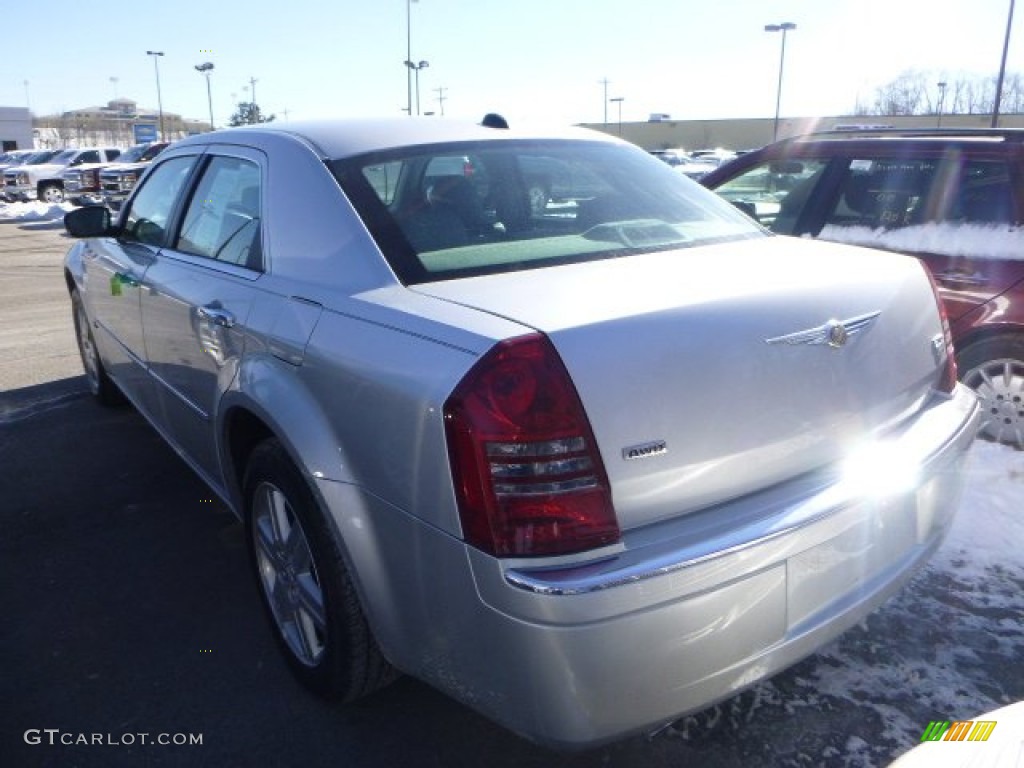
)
(947, 376)
(528, 477)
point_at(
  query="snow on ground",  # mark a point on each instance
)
(949, 646)
(33, 211)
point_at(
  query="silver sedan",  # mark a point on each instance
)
(585, 465)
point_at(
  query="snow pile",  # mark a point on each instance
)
(947, 647)
(33, 211)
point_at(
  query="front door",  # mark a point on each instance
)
(115, 277)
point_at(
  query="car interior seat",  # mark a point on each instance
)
(239, 242)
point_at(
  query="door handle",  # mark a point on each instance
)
(217, 316)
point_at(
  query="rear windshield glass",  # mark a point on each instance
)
(455, 210)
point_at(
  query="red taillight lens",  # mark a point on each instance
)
(947, 377)
(528, 477)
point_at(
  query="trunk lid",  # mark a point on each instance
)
(689, 401)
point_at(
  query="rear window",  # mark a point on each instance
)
(451, 211)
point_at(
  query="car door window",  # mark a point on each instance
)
(150, 210)
(222, 220)
(886, 193)
(984, 195)
(774, 192)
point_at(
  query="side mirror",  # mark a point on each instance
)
(90, 221)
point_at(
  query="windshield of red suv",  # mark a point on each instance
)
(456, 210)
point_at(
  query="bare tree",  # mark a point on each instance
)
(915, 93)
(906, 95)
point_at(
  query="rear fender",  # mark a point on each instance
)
(268, 389)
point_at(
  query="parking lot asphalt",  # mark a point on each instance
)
(129, 609)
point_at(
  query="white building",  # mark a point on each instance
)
(15, 128)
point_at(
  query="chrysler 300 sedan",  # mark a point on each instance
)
(585, 464)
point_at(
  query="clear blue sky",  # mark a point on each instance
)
(524, 58)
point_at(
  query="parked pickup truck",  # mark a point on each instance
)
(44, 182)
(118, 180)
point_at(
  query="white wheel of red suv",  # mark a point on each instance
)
(994, 369)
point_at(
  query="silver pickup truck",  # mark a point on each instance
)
(117, 181)
(44, 182)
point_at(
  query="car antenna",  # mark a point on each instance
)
(494, 120)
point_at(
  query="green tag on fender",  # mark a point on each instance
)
(115, 286)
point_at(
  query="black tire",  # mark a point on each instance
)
(994, 369)
(306, 590)
(100, 384)
(51, 192)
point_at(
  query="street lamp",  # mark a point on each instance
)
(942, 101)
(159, 100)
(618, 100)
(204, 69)
(784, 27)
(1002, 69)
(417, 67)
(408, 55)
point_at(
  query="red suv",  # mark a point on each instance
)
(950, 197)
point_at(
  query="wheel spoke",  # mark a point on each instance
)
(311, 600)
(295, 550)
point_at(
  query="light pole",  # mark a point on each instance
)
(618, 100)
(408, 55)
(417, 67)
(159, 100)
(784, 27)
(604, 82)
(1002, 69)
(204, 69)
(253, 112)
(942, 101)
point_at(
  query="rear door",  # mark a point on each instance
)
(957, 208)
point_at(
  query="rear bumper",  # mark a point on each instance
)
(683, 614)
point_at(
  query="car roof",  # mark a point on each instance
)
(921, 135)
(871, 139)
(346, 138)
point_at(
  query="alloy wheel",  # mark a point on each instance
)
(999, 385)
(288, 574)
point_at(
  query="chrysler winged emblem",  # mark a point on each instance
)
(834, 333)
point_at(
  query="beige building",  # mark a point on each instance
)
(749, 133)
(109, 125)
